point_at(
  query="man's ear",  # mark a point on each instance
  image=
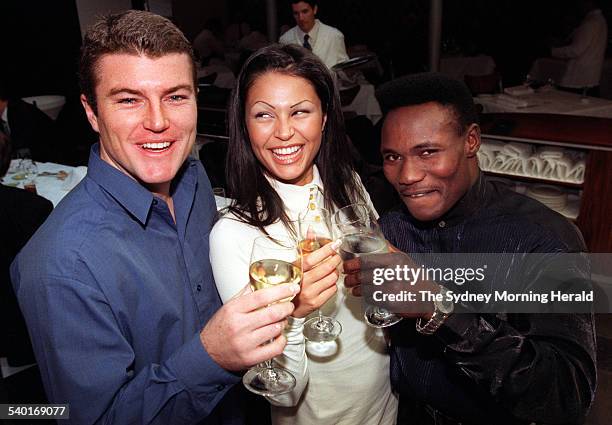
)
(315, 10)
(472, 141)
(91, 116)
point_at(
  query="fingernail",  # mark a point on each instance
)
(295, 288)
(336, 244)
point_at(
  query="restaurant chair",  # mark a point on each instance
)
(212, 111)
(213, 155)
(483, 84)
(207, 80)
(348, 95)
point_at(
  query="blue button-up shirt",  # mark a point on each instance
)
(115, 293)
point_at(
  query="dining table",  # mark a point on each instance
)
(51, 181)
(545, 100)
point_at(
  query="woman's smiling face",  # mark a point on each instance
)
(285, 121)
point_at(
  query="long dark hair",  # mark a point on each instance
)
(256, 202)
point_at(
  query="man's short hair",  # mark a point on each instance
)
(312, 3)
(417, 89)
(133, 32)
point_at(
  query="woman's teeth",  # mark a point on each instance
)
(286, 151)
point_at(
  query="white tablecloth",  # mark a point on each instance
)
(49, 187)
(550, 101)
(458, 67)
(49, 104)
(365, 103)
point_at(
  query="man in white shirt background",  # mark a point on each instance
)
(325, 41)
(585, 53)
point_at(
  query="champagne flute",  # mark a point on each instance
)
(275, 260)
(362, 236)
(315, 231)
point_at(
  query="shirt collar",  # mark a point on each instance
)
(5, 114)
(313, 33)
(296, 198)
(134, 197)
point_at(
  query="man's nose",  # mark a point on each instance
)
(411, 172)
(156, 119)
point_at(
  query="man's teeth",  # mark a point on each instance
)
(418, 195)
(161, 145)
(286, 151)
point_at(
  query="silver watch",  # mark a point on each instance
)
(442, 309)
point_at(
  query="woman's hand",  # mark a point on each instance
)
(319, 279)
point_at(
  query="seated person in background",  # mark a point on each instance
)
(208, 44)
(288, 153)
(326, 42)
(116, 286)
(31, 131)
(21, 213)
(586, 51)
(473, 368)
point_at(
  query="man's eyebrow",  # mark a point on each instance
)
(119, 90)
(127, 90)
(187, 87)
(426, 145)
(387, 150)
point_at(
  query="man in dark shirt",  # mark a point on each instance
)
(473, 368)
(21, 213)
(116, 286)
(31, 131)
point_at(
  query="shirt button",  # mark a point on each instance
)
(199, 288)
(154, 201)
(220, 387)
(442, 224)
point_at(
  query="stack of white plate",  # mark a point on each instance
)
(551, 196)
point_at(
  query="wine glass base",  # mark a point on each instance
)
(380, 318)
(268, 381)
(322, 329)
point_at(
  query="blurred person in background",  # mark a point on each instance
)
(585, 53)
(31, 131)
(324, 41)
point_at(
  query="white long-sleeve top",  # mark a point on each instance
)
(327, 42)
(585, 54)
(349, 386)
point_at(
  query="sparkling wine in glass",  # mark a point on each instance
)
(315, 231)
(361, 236)
(275, 260)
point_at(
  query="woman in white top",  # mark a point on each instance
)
(287, 149)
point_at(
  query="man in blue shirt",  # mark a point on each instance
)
(116, 286)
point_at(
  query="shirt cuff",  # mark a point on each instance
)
(466, 331)
(197, 371)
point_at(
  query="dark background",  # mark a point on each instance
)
(41, 39)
